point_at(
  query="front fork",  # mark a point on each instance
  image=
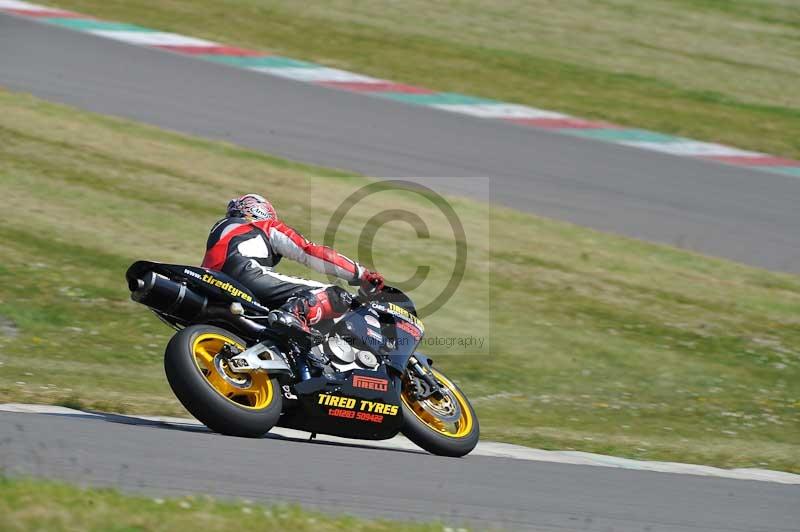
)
(424, 373)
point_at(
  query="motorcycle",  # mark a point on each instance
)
(241, 372)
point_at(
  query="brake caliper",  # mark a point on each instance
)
(229, 351)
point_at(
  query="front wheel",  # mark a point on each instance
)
(446, 426)
(236, 404)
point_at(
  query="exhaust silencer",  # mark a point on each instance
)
(169, 297)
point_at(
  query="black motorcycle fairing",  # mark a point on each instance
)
(390, 294)
(344, 404)
(405, 328)
(364, 405)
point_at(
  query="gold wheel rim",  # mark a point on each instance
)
(252, 391)
(457, 429)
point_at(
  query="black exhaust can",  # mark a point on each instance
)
(167, 296)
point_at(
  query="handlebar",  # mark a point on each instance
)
(365, 295)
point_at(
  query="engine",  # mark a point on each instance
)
(342, 356)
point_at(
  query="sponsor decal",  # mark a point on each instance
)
(371, 418)
(228, 287)
(260, 213)
(342, 412)
(410, 329)
(403, 314)
(370, 383)
(373, 334)
(335, 400)
(372, 321)
(192, 274)
(352, 414)
(356, 406)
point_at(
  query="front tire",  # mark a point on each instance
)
(446, 427)
(246, 405)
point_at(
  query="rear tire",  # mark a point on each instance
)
(424, 429)
(236, 405)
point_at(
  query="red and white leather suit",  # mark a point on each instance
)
(249, 250)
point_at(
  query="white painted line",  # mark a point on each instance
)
(42, 409)
(317, 74)
(499, 110)
(14, 4)
(153, 38)
(691, 148)
(493, 449)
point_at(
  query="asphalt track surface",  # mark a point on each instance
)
(479, 491)
(749, 216)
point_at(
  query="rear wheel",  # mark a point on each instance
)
(445, 426)
(230, 403)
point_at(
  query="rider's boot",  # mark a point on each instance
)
(310, 308)
(288, 318)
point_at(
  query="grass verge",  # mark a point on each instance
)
(716, 70)
(55, 507)
(592, 341)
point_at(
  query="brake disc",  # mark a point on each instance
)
(446, 409)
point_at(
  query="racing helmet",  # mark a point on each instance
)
(251, 206)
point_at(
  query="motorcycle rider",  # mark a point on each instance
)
(250, 241)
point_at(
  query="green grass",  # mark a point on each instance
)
(592, 341)
(38, 505)
(717, 70)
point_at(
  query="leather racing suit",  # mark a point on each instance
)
(248, 251)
